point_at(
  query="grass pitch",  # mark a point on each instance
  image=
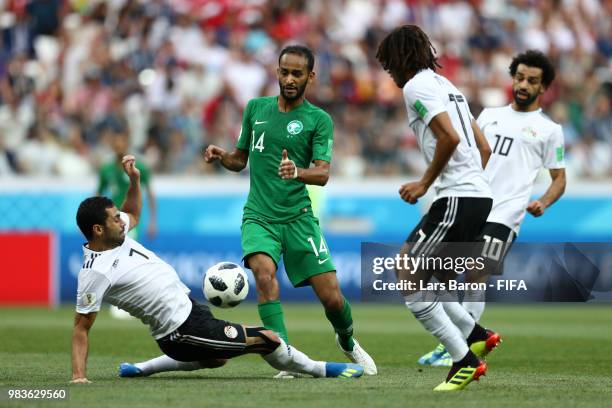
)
(556, 355)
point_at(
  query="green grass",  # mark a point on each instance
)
(558, 355)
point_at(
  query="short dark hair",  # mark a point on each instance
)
(407, 48)
(299, 50)
(536, 59)
(92, 211)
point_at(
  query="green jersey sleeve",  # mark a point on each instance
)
(245, 130)
(323, 139)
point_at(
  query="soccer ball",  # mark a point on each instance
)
(225, 284)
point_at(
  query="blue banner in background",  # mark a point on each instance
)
(191, 255)
(571, 219)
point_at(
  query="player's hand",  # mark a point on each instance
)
(287, 169)
(80, 381)
(129, 166)
(411, 192)
(213, 153)
(536, 208)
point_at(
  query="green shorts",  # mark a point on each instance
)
(300, 242)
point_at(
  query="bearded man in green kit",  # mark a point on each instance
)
(282, 135)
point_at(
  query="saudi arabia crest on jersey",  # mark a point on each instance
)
(295, 127)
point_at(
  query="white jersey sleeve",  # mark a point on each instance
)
(425, 99)
(91, 287)
(554, 154)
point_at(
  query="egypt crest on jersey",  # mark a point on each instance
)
(522, 144)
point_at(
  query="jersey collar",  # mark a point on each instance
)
(539, 110)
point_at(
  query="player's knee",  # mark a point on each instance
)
(262, 338)
(264, 276)
(336, 304)
(272, 337)
(332, 300)
(265, 280)
(271, 340)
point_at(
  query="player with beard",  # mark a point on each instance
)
(281, 136)
(524, 140)
(122, 272)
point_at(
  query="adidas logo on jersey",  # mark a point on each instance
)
(116, 263)
(89, 263)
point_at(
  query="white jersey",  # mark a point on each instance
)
(426, 95)
(522, 143)
(137, 281)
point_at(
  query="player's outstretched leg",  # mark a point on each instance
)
(284, 357)
(257, 340)
(164, 363)
(338, 312)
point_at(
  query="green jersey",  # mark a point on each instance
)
(307, 134)
(113, 178)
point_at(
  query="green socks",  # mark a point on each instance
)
(272, 317)
(343, 325)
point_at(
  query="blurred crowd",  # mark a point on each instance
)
(174, 76)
